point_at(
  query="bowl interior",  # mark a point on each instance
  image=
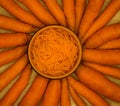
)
(78, 57)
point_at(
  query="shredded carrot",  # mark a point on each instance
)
(54, 51)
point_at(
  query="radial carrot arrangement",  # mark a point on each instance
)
(69, 11)
(11, 97)
(91, 12)
(14, 25)
(103, 35)
(79, 10)
(9, 39)
(102, 82)
(91, 96)
(77, 99)
(35, 93)
(11, 72)
(112, 8)
(53, 90)
(65, 97)
(10, 55)
(39, 11)
(106, 57)
(108, 70)
(20, 13)
(59, 52)
(56, 10)
(113, 44)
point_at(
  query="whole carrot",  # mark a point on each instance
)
(12, 7)
(35, 92)
(98, 82)
(108, 70)
(65, 97)
(13, 93)
(53, 90)
(101, 56)
(112, 8)
(12, 54)
(12, 39)
(69, 11)
(39, 11)
(79, 9)
(92, 11)
(113, 44)
(10, 73)
(103, 35)
(56, 11)
(14, 25)
(88, 94)
(78, 101)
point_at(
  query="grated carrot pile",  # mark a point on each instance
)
(54, 51)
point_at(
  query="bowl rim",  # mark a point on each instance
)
(78, 58)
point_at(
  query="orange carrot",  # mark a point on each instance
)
(106, 57)
(65, 97)
(78, 101)
(112, 8)
(88, 94)
(91, 12)
(113, 44)
(14, 25)
(103, 35)
(52, 94)
(79, 9)
(10, 73)
(108, 70)
(35, 92)
(10, 55)
(56, 10)
(39, 11)
(12, 39)
(12, 7)
(98, 82)
(69, 11)
(14, 92)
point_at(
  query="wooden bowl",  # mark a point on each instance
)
(79, 52)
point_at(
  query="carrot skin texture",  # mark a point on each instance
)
(10, 73)
(65, 97)
(53, 90)
(78, 101)
(109, 12)
(98, 82)
(101, 56)
(12, 39)
(39, 11)
(14, 92)
(56, 11)
(113, 44)
(12, 7)
(103, 35)
(35, 92)
(86, 93)
(14, 25)
(69, 11)
(79, 10)
(92, 11)
(12, 54)
(108, 70)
